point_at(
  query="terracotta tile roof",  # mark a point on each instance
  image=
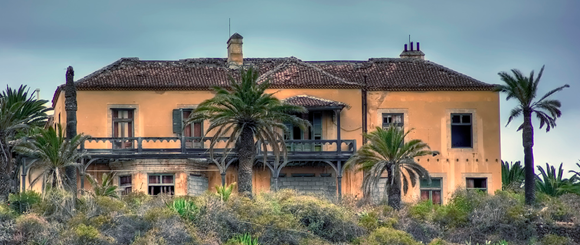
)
(391, 74)
(311, 101)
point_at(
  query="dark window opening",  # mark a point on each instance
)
(395, 119)
(476, 184)
(123, 128)
(161, 183)
(461, 131)
(125, 184)
(431, 191)
(326, 175)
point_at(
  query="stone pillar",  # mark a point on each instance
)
(71, 123)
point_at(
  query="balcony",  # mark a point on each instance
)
(197, 147)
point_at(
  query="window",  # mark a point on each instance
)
(461, 131)
(194, 129)
(393, 119)
(123, 127)
(303, 175)
(125, 184)
(431, 191)
(161, 183)
(476, 184)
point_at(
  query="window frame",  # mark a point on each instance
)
(393, 115)
(477, 188)
(431, 189)
(123, 187)
(191, 143)
(461, 123)
(125, 144)
(149, 185)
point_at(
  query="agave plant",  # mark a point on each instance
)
(106, 188)
(186, 209)
(553, 183)
(512, 175)
(225, 191)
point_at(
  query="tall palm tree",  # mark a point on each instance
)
(20, 111)
(553, 183)
(52, 153)
(246, 113)
(387, 150)
(524, 90)
(512, 175)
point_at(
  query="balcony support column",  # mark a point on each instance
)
(338, 139)
(339, 179)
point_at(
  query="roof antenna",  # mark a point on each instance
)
(229, 27)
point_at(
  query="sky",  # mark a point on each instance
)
(39, 39)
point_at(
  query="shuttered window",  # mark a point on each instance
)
(123, 127)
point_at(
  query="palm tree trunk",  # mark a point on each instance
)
(394, 189)
(246, 154)
(528, 142)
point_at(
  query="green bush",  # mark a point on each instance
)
(422, 211)
(551, 239)
(389, 236)
(369, 220)
(23, 201)
(86, 234)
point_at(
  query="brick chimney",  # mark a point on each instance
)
(235, 54)
(412, 54)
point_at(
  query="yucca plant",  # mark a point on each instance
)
(512, 175)
(553, 183)
(224, 192)
(106, 188)
(185, 208)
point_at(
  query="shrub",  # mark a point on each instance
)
(389, 236)
(439, 241)
(31, 228)
(58, 205)
(134, 200)
(551, 239)
(86, 234)
(224, 192)
(23, 201)
(369, 220)
(108, 205)
(422, 211)
(324, 219)
(126, 228)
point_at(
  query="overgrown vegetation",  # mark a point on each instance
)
(284, 217)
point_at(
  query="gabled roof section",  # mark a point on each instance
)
(294, 73)
(311, 101)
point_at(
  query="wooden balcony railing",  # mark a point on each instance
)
(182, 147)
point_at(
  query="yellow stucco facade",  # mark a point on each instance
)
(427, 113)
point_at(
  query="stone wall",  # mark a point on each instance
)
(196, 185)
(319, 186)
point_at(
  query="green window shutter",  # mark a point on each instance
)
(177, 121)
(317, 125)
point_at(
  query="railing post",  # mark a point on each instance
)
(339, 179)
(139, 144)
(182, 144)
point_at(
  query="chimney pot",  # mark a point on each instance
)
(418, 49)
(411, 46)
(235, 54)
(405, 47)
